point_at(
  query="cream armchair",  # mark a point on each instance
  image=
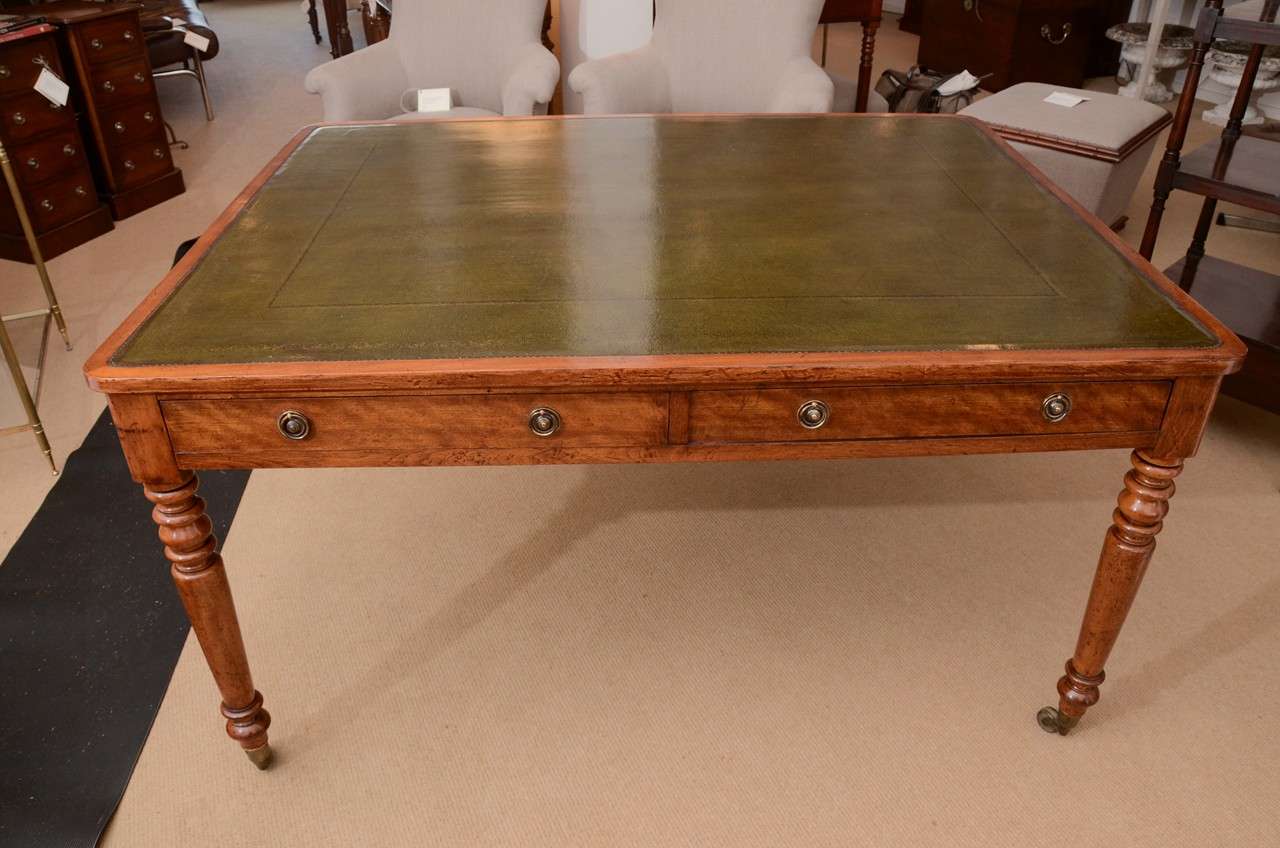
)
(714, 56)
(488, 51)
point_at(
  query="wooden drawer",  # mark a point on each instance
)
(130, 123)
(772, 415)
(22, 62)
(54, 203)
(138, 163)
(49, 158)
(416, 423)
(28, 115)
(111, 38)
(121, 83)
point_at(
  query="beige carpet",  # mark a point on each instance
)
(842, 653)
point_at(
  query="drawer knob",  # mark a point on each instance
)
(46, 205)
(108, 86)
(19, 119)
(69, 149)
(148, 117)
(128, 35)
(1056, 407)
(128, 165)
(33, 163)
(80, 192)
(5, 72)
(118, 126)
(157, 153)
(293, 425)
(812, 414)
(138, 77)
(544, 421)
(95, 43)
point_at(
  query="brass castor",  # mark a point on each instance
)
(1053, 721)
(260, 757)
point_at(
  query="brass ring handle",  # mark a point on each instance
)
(118, 126)
(293, 425)
(95, 43)
(148, 117)
(46, 205)
(69, 149)
(33, 163)
(128, 165)
(128, 35)
(19, 118)
(1055, 407)
(812, 414)
(1047, 34)
(544, 421)
(5, 72)
(80, 192)
(158, 153)
(108, 86)
(139, 77)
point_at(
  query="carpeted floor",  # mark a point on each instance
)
(843, 653)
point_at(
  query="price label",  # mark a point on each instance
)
(196, 40)
(52, 87)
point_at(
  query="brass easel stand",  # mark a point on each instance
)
(53, 313)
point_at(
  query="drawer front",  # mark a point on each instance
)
(134, 164)
(109, 39)
(55, 203)
(22, 61)
(130, 123)
(774, 415)
(416, 423)
(121, 83)
(49, 158)
(28, 115)
(1052, 46)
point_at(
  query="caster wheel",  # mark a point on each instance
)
(1053, 721)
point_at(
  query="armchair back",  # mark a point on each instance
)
(728, 55)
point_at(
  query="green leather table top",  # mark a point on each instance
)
(635, 236)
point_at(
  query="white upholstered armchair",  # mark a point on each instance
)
(488, 51)
(714, 56)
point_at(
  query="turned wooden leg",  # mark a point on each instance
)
(201, 579)
(864, 68)
(1127, 550)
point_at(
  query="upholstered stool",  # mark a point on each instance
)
(1095, 150)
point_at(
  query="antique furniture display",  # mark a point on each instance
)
(167, 45)
(1050, 41)
(490, 54)
(868, 13)
(1173, 52)
(1237, 168)
(337, 26)
(48, 154)
(52, 314)
(104, 43)
(375, 15)
(761, 54)
(1096, 150)
(1227, 61)
(655, 289)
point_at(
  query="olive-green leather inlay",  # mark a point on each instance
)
(615, 236)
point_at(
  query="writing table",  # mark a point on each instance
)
(654, 289)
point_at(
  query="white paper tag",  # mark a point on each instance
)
(52, 87)
(196, 40)
(963, 81)
(1061, 98)
(435, 99)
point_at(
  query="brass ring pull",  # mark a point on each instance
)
(139, 77)
(80, 192)
(293, 425)
(69, 149)
(108, 86)
(95, 43)
(128, 35)
(33, 163)
(1047, 34)
(544, 421)
(1055, 407)
(19, 119)
(5, 72)
(128, 165)
(46, 205)
(118, 126)
(148, 117)
(158, 153)
(812, 414)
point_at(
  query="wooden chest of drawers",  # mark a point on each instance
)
(1052, 41)
(121, 112)
(48, 154)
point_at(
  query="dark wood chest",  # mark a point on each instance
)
(1060, 42)
(47, 152)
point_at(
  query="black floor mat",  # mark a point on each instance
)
(90, 632)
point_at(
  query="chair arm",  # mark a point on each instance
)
(803, 87)
(366, 84)
(531, 79)
(621, 84)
